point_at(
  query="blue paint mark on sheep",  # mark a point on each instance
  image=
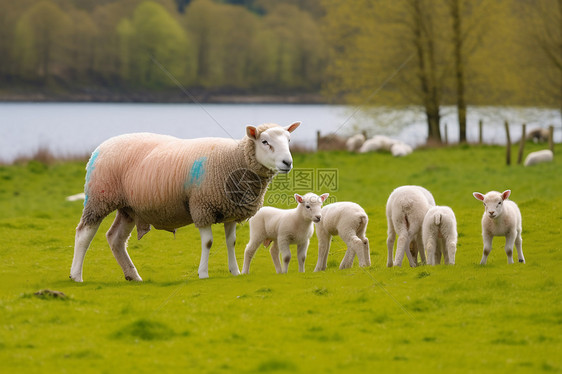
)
(197, 172)
(89, 169)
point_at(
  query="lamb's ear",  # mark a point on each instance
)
(478, 196)
(505, 194)
(252, 132)
(324, 196)
(298, 198)
(292, 127)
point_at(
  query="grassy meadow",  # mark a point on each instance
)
(455, 319)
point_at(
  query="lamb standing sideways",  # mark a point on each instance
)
(538, 157)
(405, 210)
(168, 182)
(502, 217)
(349, 221)
(284, 227)
(439, 234)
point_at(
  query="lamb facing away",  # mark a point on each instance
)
(405, 210)
(349, 221)
(284, 227)
(377, 143)
(501, 218)
(538, 157)
(168, 183)
(355, 142)
(439, 234)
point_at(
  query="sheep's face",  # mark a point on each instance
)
(311, 205)
(493, 202)
(272, 147)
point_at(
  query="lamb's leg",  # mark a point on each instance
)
(117, 237)
(274, 251)
(230, 233)
(285, 249)
(449, 254)
(84, 235)
(487, 239)
(324, 241)
(206, 234)
(519, 246)
(421, 249)
(403, 247)
(509, 241)
(366, 251)
(249, 253)
(390, 244)
(430, 246)
(301, 254)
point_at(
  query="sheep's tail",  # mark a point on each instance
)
(437, 219)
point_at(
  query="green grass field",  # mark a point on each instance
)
(461, 318)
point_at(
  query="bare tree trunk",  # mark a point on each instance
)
(459, 68)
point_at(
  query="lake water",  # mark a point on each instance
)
(75, 129)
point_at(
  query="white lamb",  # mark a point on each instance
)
(538, 157)
(284, 227)
(439, 234)
(355, 142)
(349, 221)
(501, 218)
(377, 143)
(405, 210)
(400, 149)
(168, 183)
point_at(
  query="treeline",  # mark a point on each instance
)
(263, 46)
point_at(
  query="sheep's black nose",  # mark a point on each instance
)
(318, 218)
(287, 163)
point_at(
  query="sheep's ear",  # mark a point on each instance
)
(505, 194)
(292, 127)
(298, 198)
(324, 196)
(252, 132)
(478, 196)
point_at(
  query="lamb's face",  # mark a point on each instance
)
(311, 205)
(272, 148)
(493, 202)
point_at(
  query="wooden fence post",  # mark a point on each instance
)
(551, 138)
(446, 135)
(508, 145)
(318, 140)
(480, 132)
(521, 144)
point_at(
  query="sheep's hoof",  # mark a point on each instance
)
(522, 261)
(133, 278)
(75, 279)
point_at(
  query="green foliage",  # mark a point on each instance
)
(461, 318)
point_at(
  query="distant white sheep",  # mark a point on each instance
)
(284, 227)
(355, 142)
(538, 157)
(349, 221)
(501, 218)
(377, 143)
(405, 210)
(166, 182)
(439, 234)
(400, 149)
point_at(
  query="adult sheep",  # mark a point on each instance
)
(168, 183)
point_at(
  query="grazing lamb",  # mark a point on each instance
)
(405, 210)
(284, 227)
(377, 143)
(349, 221)
(355, 142)
(501, 218)
(538, 157)
(439, 234)
(168, 183)
(539, 135)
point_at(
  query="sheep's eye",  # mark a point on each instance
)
(265, 142)
(500, 203)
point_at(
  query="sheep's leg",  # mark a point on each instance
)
(285, 254)
(206, 234)
(509, 241)
(324, 241)
(519, 246)
(84, 235)
(302, 248)
(430, 246)
(230, 233)
(421, 249)
(249, 253)
(449, 253)
(274, 251)
(403, 247)
(487, 238)
(390, 243)
(117, 237)
(366, 251)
